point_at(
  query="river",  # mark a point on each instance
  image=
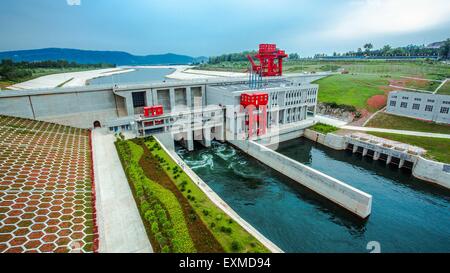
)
(408, 215)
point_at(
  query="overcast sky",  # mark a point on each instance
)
(212, 27)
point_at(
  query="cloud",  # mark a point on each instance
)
(362, 18)
(73, 2)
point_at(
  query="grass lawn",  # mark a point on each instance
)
(445, 89)
(323, 128)
(350, 89)
(384, 120)
(5, 84)
(422, 85)
(437, 148)
(230, 234)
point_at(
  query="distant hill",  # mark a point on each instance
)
(94, 57)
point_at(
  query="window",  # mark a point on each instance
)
(446, 102)
(403, 105)
(429, 108)
(416, 106)
(444, 110)
(432, 101)
(417, 99)
(138, 99)
(394, 97)
(405, 98)
(393, 103)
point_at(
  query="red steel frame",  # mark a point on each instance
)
(270, 60)
(252, 101)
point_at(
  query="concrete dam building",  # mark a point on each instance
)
(193, 110)
(252, 118)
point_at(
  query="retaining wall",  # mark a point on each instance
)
(432, 171)
(352, 199)
(424, 169)
(336, 142)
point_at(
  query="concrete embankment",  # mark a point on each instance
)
(422, 168)
(166, 139)
(350, 198)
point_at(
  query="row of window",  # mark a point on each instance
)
(416, 106)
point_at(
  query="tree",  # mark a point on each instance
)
(368, 47)
(386, 50)
(444, 50)
(359, 53)
(294, 56)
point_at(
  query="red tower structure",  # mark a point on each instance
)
(252, 101)
(270, 60)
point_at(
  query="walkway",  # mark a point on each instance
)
(402, 132)
(120, 226)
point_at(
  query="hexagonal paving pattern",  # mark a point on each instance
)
(46, 193)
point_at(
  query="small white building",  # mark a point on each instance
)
(420, 105)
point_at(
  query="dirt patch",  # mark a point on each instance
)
(377, 101)
(365, 114)
(203, 239)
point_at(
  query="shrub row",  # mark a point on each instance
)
(159, 206)
(229, 234)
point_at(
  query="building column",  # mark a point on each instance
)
(207, 137)
(149, 98)
(376, 155)
(172, 98)
(389, 159)
(355, 148)
(189, 97)
(402, 162)
(129, 104)
(190, 140)
(365, 151)
(155, 97)
(203, 95)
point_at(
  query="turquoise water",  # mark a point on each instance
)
(408, 215)
(140, 75)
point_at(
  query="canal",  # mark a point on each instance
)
(408, 215)
(139, 75)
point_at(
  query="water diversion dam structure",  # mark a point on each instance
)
(240, 120)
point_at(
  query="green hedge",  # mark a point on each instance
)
(231, 236)
(159, 206)
(324, 128)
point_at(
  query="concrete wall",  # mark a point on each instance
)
(432, 171)
(352, 199)
(422, 100)
(79, 109)
(427, 170)
(336, 142)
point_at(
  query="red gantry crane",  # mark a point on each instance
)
(270, 65)
(270, 60)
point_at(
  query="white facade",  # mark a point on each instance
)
(420, 105)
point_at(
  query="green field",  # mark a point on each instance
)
(365, 79)
(323, 128)
(351, 89)
(384, 120)
(437, 148)
(445, 89)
